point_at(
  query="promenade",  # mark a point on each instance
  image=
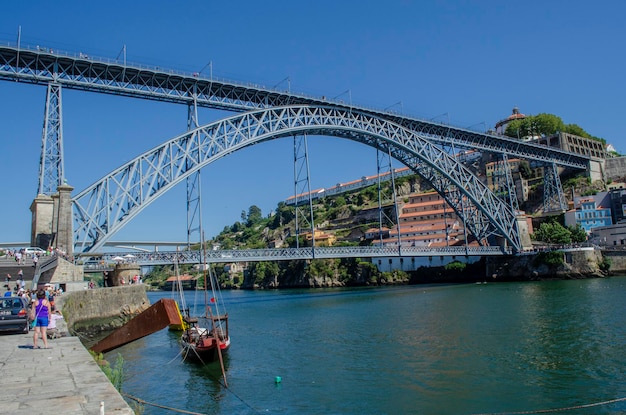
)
(63, 379)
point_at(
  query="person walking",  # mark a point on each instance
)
(42, 311)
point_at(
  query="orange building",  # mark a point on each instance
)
(426, 220)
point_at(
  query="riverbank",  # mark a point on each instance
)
(63, 379)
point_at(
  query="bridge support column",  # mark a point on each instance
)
(63, 216)
(51, 170)
(524, 227)
(42, 210)
(553, 197)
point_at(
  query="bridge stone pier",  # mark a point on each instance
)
(124, 272)
(52, 220)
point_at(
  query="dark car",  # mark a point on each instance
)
(14, 314)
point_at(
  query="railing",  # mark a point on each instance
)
(45, 264)
(287, 254)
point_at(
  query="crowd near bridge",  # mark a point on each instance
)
(259, 114)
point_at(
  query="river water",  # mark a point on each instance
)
(426, 349)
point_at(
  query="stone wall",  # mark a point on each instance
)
(617, 259)
(615, 168)
(578, 263)
(103, 308)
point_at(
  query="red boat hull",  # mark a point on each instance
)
(202, 346)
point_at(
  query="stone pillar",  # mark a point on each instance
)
(64, 237)
(125, 271)
(42, 210)
(55, 219)
(524, 226)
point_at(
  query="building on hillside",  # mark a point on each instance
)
(496, 178)
(235, 268)
(617, 203)
(187, 282)
(375, 233)
(321, 238)
(339, 188)
(426, 220)
(614, 235)
(595, 149)
(575, 144)
(502, 124)
(590, 212)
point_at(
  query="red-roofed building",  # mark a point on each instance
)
(188, 282)
(426, 219)
(502, 124)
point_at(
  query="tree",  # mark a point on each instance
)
(578, 233)
(576, 130)
(254, 215)
(534, 125)
(544, 125)
(547, 124)
(554, 233)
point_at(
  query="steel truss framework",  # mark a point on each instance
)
(106, 206)
(41, 66)
(51, 170)
(553, 197)
(77, 71)
(287, 254)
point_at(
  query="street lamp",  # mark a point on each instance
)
(440, 115)
(288, 84)
(210, 66)
(347, 91)
(393, 105)
(478, 123)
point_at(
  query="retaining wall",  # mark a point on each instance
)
(103, 308)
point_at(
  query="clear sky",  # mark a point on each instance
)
(467, 61)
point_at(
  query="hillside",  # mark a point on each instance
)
(346, 217)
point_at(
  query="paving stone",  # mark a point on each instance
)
(62, 380)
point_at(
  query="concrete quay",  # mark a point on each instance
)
(63, 379)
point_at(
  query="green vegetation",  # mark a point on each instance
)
(552, 259)
(554, 233)
(115, 374)
(605, 265)
(455, 266)
(543, 125)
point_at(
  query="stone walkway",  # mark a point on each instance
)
(63, 379)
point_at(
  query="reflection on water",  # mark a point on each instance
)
(421, 349)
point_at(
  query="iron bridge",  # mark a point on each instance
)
(307, 253)
(267, 113)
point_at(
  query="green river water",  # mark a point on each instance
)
(426, 349)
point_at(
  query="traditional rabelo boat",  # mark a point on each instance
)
(206, 338)
(205, 344)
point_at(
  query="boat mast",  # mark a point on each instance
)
(179, 285)
(204, 268)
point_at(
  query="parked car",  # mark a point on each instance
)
(34, 250)
(14, 314)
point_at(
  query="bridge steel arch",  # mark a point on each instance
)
(107, 205)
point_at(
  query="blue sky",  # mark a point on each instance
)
(469, 61)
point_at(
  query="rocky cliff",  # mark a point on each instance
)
(579, 263)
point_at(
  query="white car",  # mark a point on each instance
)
(34, 250)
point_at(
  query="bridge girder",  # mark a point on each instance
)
(106, 206)
(42, 66)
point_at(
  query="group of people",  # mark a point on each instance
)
(20, 255)
(20, 285)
